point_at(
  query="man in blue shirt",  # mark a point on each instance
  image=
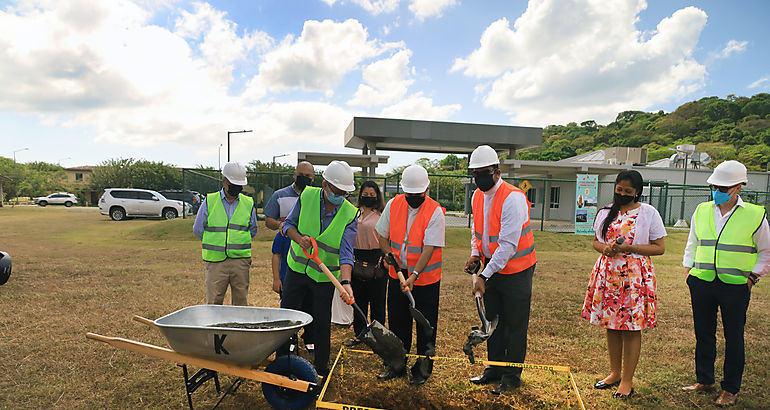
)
(276, 210)
(232, 271)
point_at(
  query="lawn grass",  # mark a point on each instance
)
(76, 271)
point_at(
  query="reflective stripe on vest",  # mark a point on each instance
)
(223, 238)
(399, 212)
(525, 256)
(309, 223)
(731, 254)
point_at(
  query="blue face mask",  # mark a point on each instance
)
(334, 199)
(720, 197)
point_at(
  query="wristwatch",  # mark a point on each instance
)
(345, 282)
(416, 274)
(753, 278)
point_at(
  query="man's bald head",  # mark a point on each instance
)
(304, 168)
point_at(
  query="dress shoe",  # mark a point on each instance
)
(726, 399)
(504, 387)
(623, 397)
(701, 388)
(390, 374)
(485, 378)
(601, 385)
(351, 342)
(417, 380)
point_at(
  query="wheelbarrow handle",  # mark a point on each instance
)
(144, 320)
(332, 278)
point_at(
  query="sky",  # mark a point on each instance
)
(83, 81)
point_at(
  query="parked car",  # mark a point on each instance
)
(57, 198)
(193, 198)
(122, 203)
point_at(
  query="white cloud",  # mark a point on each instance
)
(732, 47)
(319, 57)
(423, 9)
(567, 61)
(386, 81)
(417, 106)
(762, 82)
(378, 6)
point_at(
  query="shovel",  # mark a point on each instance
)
(416, 314)
(479, 335)
(382, 341)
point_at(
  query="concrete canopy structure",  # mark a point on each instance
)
(354, 160)
(370, 134)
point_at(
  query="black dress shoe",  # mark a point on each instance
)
(390, 374)
(351, 342)
(485, 378)
(601, 385)
(623, 397)
(417, 380)
(504, 387)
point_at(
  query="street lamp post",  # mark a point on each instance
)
(21, 149)
(228, 141)
(219, 157)
(687, 150)
(274, 157)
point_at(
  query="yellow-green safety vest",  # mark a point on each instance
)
(329, 241)
(227, 239)
(731, 254)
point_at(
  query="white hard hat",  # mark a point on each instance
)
(414, 179)
(483, 156)
(339, 174)
(235, 173)
(728, 173)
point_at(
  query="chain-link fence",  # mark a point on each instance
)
(553, 201)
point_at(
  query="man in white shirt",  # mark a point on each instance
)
(502, 237)
(727, 251)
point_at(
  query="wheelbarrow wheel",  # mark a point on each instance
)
(291, 366)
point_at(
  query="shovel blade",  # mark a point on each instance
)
(385, 344)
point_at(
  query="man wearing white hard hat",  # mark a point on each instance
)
(502, 238)
(411, 227)
(728, 250)
(324, 214)
(226, 222)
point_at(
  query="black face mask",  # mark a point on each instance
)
(485, 181)
(234, 190)
(369, 201)
(623, 199)
(302, 181)
(415, 201)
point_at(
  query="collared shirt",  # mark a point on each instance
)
(434, 232)
(203, 215)
(514, 214)
(281, 202)
(761, 240)
(348, 236)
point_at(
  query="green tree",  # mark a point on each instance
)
(132, 173)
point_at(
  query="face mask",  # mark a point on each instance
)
(485, 181)
(623, 199)
(334, 199)
(720, 197)
(302, 181)
(234, 190)
(415, 201)
(369, 201)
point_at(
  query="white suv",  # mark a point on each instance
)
(120, 203)
(57, 198)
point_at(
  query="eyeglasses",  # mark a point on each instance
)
(723, 189)
(483, 172)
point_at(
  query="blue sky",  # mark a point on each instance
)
(82, 81)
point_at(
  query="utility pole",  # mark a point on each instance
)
(228, 141)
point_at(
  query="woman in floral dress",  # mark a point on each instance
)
(621, 295)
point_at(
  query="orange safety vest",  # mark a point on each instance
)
(525, 252)
(398, 215)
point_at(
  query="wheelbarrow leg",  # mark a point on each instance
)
(192, 384)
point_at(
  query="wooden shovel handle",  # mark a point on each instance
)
(314, 256)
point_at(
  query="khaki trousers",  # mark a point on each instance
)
(232, 271)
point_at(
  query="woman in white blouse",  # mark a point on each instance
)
(622, 295)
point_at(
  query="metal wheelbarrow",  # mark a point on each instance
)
(235, 340)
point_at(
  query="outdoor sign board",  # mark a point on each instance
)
(586, 199)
